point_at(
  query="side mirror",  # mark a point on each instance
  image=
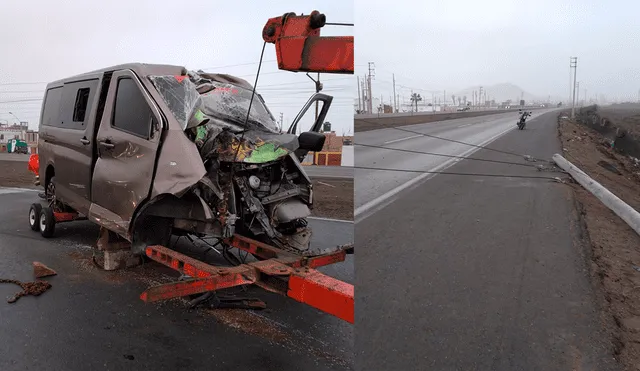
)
(311, 141)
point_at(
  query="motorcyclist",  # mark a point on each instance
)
(523, 117)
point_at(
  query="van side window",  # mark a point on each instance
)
(51, 107)
(80, 108)
(131, 113)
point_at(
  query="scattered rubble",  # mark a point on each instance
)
(34, 288)
(40, 270)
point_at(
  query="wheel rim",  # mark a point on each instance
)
(43, 223)
(51, 195)
(32, 217)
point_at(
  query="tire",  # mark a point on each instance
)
(34, 217)
(47, 222)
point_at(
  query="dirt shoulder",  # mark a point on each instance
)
(333, 198)
(15, 174)
(615, 247)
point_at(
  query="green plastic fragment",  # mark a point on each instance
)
(265, 153)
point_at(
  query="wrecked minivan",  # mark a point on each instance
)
(149, 151)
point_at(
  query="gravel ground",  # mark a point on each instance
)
(15, 174)
(614, 245)
(333, 198)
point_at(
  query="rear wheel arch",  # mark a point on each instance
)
(49, 173)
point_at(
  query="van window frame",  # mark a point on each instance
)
(86, 94)
(47, 96)
(67, 107)
(152, 118)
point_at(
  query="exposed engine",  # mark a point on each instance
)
(255, 184)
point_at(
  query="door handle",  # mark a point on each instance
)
(107, 144)
(85, 141)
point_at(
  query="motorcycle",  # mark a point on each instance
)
(523, 117)
(255, 184)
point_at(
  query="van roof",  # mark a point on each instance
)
(140, 69)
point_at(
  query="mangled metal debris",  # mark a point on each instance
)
(254, 183)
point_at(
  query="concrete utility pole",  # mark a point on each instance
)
(433, 102)
(371, 69)
(281, 120)
(444, 99)
(394, 93)
(574, 64)
(578, 93)
(359, 105)
(365, 95)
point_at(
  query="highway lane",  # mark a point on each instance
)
(92, 319)
(479, 273)
(331, 172)
(376, 188)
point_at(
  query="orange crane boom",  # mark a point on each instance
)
(300, 48)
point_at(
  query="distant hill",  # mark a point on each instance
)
(501, 92)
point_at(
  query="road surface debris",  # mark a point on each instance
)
(40, 270)
(34, 288)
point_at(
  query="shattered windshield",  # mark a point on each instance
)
(192, 99)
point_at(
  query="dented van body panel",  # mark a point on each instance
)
(147, 150)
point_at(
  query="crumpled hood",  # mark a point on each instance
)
(251, 147)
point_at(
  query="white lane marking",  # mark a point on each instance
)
(330, 220)
(401, 139)
(379, 202)
(464, 126)
(9, 190)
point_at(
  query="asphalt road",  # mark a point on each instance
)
(375, 188)
(473, 272)
(338, 172)
(94, 320)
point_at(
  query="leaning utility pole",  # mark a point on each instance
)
(574, 64)
(394, 93)
(371, 64)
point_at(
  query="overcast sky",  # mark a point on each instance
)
(451, 45)
(43, 40)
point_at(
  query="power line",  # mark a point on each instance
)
(445, 155)
(22, 91)
(236, 65)
(460, 142)
(22, 83)
(456, 173)
(21, 100)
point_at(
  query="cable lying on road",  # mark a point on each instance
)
(526, 157)
(444, 155)
(555, 179)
